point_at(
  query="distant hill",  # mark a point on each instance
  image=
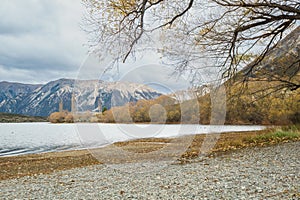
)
(15, 118)
(281, 63)
(86, 95)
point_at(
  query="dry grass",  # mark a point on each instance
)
(238, 140)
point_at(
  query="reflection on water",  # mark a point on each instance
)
(28, 138)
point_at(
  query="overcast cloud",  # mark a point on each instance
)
(41, 41)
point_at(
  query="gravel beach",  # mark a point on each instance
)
(252, 173)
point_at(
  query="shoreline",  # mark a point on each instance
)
(72, 136)
(45, 163)
(250, 173)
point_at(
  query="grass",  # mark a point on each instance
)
(274, 137)
(232, 141)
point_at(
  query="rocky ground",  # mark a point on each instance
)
(271, 172)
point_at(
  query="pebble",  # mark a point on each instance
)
(253, 173)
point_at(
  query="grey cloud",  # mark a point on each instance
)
(29, 52)
(21, 17)
(37, 35)
(159, 76)
(41, 40)
(30, 76)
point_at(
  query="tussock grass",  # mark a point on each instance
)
(277, 136)
(233, 141)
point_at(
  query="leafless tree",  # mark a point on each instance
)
(195, 35)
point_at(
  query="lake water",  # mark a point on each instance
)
(28, 138)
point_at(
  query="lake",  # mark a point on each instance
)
(28, 138)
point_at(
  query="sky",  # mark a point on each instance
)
(43, 40)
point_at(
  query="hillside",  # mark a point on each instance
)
(281, 64)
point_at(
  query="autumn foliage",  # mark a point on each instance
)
(254, 104)
(61, 117)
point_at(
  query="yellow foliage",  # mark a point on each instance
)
(57, 117)
(255, 105)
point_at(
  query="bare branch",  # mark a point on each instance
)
(222, 37)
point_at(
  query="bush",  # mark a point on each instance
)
(57, 117)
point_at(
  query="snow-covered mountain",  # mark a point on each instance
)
(83, 95)
(12, 94)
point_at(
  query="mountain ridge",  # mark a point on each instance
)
(44, 99)
(282, 60)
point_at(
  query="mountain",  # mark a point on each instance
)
(282, 60)
(82, 95)
(12, 94)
